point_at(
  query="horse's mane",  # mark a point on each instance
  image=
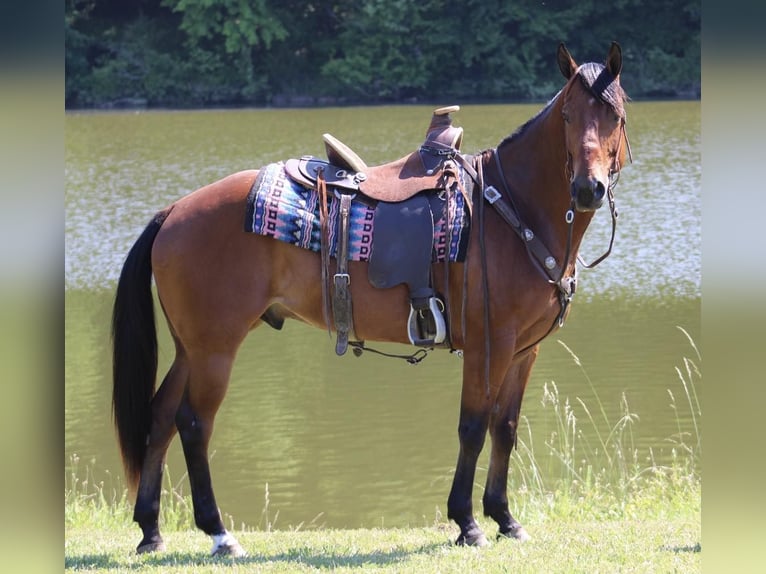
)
(518, 132)
(597, 80)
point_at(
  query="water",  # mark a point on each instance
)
(348, 442)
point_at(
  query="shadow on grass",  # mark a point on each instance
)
(681, 549)
(304, 556)
(317, 559)
(91, 562)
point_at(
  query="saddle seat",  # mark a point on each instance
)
(440, 130)
(390, 182)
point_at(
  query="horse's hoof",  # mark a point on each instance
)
(517, 533)
(233, 550)
(155, 546)
(226, 545)
(472, 539)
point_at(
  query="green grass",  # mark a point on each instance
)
(591, 505)
(557, 546)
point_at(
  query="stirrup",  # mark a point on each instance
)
(441, 327)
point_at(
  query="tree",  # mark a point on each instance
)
(240, 27)
(233, 52)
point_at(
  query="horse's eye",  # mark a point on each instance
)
(565, 115)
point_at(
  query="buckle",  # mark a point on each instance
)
(341, 195)
(339, 276)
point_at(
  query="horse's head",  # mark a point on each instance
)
(594, 126)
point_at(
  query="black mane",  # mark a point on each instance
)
(518, 132)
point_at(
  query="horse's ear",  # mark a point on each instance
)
(614, 59)
(567, 65)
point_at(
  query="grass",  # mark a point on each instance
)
(559, 546)
(592, 501)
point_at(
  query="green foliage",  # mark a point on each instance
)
(238, 24)
(103, 505)
(233, 52)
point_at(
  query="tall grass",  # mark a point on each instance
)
(595, 469)
(106, 503)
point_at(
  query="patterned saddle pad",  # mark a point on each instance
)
(280, 208)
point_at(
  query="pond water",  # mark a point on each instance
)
(349, 442)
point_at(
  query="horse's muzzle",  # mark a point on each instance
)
(588, 193)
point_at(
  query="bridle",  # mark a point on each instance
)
(540, 256)
(554, 272)
(614, 177)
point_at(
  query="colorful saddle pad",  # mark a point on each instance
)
(280, 208)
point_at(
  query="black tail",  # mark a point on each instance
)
(134, 340)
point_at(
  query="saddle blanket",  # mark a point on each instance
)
(280, 208)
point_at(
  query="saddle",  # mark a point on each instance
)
(391, 182)
(406, 194)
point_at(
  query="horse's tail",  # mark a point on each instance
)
(134, 351)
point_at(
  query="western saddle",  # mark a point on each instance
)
(407, 194)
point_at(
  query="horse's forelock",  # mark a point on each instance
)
(599, 81)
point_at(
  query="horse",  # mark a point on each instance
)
(539, 189)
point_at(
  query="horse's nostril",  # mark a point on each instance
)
(588, 194)
(598, 191)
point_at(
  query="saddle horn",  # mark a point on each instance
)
(440, 129)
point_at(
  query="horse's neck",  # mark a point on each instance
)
(535, 169)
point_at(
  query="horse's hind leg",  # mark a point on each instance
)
(164, 406)
(209, 379)
(502, 428)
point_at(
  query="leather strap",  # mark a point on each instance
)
(341, 303)
(540, 255)
(484, 279)
(324, 246)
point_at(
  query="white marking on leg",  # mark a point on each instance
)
(225, 540)
(521, 535)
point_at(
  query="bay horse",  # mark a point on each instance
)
(216, 283)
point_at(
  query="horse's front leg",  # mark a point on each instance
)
(503, 428)
(471, 431)
(475, 405)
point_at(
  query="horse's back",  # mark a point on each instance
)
(206, 215)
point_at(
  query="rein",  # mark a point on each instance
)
(614, 177)
(615, 215)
